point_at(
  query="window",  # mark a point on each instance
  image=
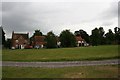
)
(16, 41)
(79, 41)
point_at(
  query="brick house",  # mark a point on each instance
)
(20, 40)
(80, 41)
(38, 42)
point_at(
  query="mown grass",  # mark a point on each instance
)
(108, 71)
(62, 54)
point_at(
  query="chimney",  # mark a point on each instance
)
(28, 34)
(12, 34)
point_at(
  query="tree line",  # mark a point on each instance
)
(99, 37)
(67, 38)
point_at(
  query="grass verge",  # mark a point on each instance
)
(108, 71)
(62, 54)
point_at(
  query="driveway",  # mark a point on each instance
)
(60, 64)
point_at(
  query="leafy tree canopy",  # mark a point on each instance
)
(51, 40)
(37, 33)
(67, 39)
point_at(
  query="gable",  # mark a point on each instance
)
(20, 36)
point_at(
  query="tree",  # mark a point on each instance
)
(2, 35)
(117, 35)
(83, 34)
(95, 37)
(8, 44)
(101, 36)
(51, 40)
(77, 33)
(110, 37)
(67, 39)
(37, 33)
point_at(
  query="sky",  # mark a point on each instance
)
(58, 15)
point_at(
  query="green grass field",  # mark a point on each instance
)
(62, 54)
(108, 71)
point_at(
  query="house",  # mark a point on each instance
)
(58, 42)
(80, 41)
(20, 40)
(38, 42)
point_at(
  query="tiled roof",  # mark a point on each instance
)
(39, 38)
(17, 35)
(79, 38)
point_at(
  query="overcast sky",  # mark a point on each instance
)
(58, 15)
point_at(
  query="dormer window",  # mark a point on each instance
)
(16, 41)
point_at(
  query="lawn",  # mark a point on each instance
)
(62, 54)
(108, 71)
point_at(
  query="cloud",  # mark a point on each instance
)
(55, 16)
(110, 15)
(45, 16)
(17, 17)
(0, 14)
(111, 12)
